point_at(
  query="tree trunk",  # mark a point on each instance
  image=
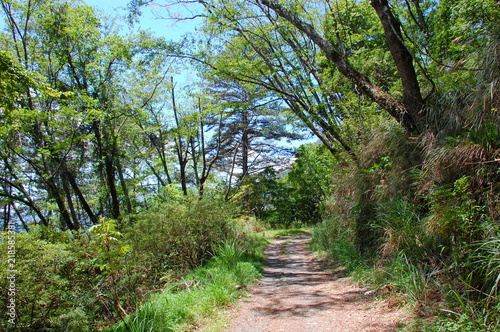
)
(109, 170)
(245, 143)
(207, 164)
(54, 191)
(74, 185)
(110, 178)
(27, 200)
(6, 216)
(23, 222)
(412, 97)
(123, 183)
(69, 199)
(163, 157)
(180, 146)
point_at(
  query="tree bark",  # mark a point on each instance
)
(123, 183)
(245, 143)
(109, 169)
(69, 199)
(26, 199)
(74, 185)
(179, 145)
(55, 193)
(412, 97)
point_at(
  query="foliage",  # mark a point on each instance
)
(410, 279)
(88, 279)
(201, 294)
(110, 248)
(54, 282)
(404, 99)
(179, 236)
(249, 125)
(401, 229)
(488, 258)
(432, 230)
(337, 239)
(85, 118)
(295, 197)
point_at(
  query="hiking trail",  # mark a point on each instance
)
(299, 294)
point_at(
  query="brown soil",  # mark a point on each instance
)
(298, 293)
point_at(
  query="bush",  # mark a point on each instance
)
(54, 284)
(401, 230)
(179, 236)
(338, 240)
(90, 279)
(187, 303)
(428, 228)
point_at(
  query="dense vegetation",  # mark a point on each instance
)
(117, 183)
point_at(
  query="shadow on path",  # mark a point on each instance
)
(297, 293)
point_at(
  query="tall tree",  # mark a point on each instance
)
(408, 112)
(252, 124)
(260, 50)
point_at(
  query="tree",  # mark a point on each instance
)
(251, 124)
(262, 51)
(37, 158)
(294, 196)
(407, 112)
(14, 81)
(205, 148)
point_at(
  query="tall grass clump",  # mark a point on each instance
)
(338, 243)
(400, 229)
(409, 279)
(429, 230)
(337, 234)
(488, 258)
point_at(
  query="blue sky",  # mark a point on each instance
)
(150, 18)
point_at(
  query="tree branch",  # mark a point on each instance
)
(376, 93)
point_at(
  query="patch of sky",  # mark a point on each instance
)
(170, 22)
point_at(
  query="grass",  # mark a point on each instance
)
(270, 235)
(198, 299)
(284, 248)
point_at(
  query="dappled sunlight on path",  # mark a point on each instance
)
(297, 293)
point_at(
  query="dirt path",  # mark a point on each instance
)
(298, 294)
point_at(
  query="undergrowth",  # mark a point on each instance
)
(197, 298)
(424, 232)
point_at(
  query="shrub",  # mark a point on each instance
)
(339, 241)
(54, 284)
(87, 280)
(400, 229)
(178, 236)
(186, 303)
